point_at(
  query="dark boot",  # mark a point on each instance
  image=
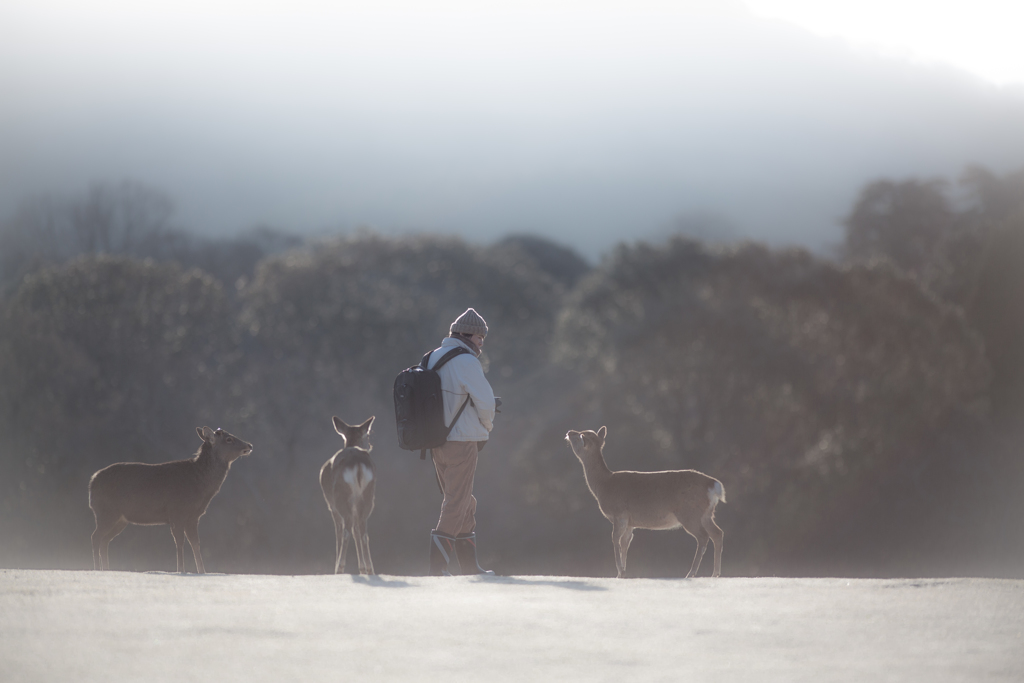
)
(442, 548)
(465, 549)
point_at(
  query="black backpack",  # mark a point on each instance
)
(419, 406)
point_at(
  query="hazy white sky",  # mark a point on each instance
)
(590, 120)
(981, 36)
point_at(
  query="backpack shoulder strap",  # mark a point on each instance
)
(437, 366)
(457, 351)
(457, 416)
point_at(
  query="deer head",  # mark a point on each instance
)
(226, 446)
(587, 442)
(358, 436)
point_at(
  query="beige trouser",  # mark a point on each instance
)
(455, 463)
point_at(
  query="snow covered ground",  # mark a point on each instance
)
(117, 626)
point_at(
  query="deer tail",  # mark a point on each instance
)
(357, 477)
(716, 493)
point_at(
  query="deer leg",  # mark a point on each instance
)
(718, 537)
(105, 532)
(357, 541)
(192, 534)
(179, 546)
(339, 565)
(119, 526)
(97, 563)
(366, 553)
(702, 545)
(615, 551)
(362, 542)
(622, 536)
(101, 538)
(339, 541)
(624, 542)
(97, 537)
(344, 536)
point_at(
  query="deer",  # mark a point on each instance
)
(348, 481)
(175, 493)
(650, 500)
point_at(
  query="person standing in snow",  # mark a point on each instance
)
(462, 383)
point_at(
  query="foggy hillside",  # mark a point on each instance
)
(862, 413)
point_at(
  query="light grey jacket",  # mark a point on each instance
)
(463, 376)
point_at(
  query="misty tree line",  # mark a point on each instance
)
(861, 412)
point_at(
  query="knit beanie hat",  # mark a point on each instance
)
(470, 322)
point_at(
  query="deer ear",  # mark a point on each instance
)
(205, 433)
(366, 425)
(339, 425)
(602, 432)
